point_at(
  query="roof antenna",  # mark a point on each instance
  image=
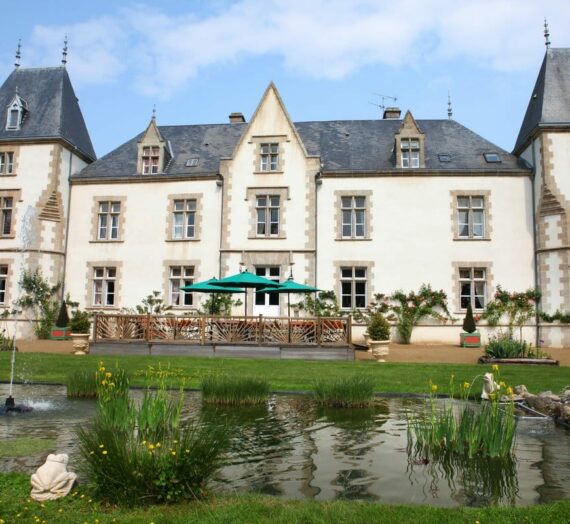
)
(18, 54)
(546, 35)
(64, 54)
(154, 111)
(449, 108)
(383, 98)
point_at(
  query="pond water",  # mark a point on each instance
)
(291, 448)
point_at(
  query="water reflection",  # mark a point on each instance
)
(295, 449)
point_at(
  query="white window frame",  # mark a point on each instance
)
(352, 276)
(108, 220)
(268, 215)
(3, 284)
(353, 216)
(16, 109)
(410, 149)
(269, 156)
(104, 286)
(7, 208)
(180, 276)
(150, 159)
(473, 277)
(472, 224)
(184, 218)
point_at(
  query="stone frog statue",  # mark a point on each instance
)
(489, 386)
(52, 480)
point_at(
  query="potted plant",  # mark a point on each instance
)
(378, 336)
(470, 338)
(61, 329)
(80, 327)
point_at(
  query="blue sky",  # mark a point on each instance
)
(199, 61)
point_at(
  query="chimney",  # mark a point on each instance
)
(237, 118)
(391, 113)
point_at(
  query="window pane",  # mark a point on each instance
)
(261, 201)
(359, 201)
(479, 302)
(479, 273)
(104, 207)
(274, 148)
(359, 301)
(346, 202)
(464, 273)
(480, 289)
(178, 205)
(116, 207)
(465, 302)
(273, 299)
(414, 144)
(360, 288)
(111, 271)
(191, 205)
(466, 289)
(405, 143)
(359, 230)
(346, 272)
(175, 271)
(98, 272)
(178, 220)
(463, 202)
(275, 201)
(477, 202)
(259, 299)
(360, 272)
(405, 159)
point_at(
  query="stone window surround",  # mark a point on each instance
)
(489, 287)
(15, 194)
(166, 265)
(11, 149)
(269, 139)
(368, 228)
(197, 217)
(486, 194)
(369, 265)
(251, 196)
(89, 291)
(409, 135)
(9, 280)
(95, 218)
(162, 155)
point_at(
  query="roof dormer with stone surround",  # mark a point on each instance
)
(153, 154)
(16, 113)
(409, 145)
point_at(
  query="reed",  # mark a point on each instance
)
(234, 391)
(81, 384)
(346, 392)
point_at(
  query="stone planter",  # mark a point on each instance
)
(80, 343)
(379, 348)
(470, 340)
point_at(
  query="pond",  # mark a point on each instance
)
(291, 448)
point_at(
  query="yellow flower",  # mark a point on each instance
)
(104, 452)
(173, 453)
(434, 388)
(151, 446)
(158, 444)
(101, 445)
(509, 390)
(466, 385)
(108, 374)
(103, 382)
(187, 451)
(495, 367)
(502, 384)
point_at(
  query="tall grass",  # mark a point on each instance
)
(81, 384)
(144, 454)
(234, 391)
(345, 392)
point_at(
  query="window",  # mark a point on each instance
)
(108, 221)
(267, 212)
(492, 158)
(150, 158)
(7, 163)
(471, 216)
(104, 286)
(269, 157)
(16, 112)
(472, 287)
(6, 205)
(3, 281)
(444, 157)
(184, 219)
(267, 299)
(192, 162)
(181, 276)
(353, 209)
(353, 287)
(410, 152)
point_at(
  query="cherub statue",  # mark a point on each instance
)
(489, 386)
(52, 480)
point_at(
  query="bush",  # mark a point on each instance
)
(80, 322)
(504, 345)
(62, 318)
(469, 322)
(378, 327)
(81, 384)
(234, 391)
(346, 392)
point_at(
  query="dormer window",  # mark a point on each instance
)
(16, 112)
(410, 152)
(492, 158)
(150, 157)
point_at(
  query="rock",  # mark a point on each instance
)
(549, 395)
(52, 480)
(543, 405)
(522, 391)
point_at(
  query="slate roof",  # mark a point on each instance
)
(344, 146)
(549, 103)
(53, 109)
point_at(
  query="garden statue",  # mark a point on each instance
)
(489, 386)
(52, 480)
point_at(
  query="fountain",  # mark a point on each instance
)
(28, 236)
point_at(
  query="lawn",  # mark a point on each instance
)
(16, 506)
(283, 375)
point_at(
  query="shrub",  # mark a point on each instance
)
(81, 384)
(62, 318)
(346, 392)
(234, 391)
(325, 305)
(469, 322)
(80, 322)
(503, 345)
(378, 327)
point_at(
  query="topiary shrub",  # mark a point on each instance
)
(469, 322)
(378, 327)
(62, 318)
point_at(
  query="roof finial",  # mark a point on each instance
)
(546, 35)
(64, 54)
(18, 54)
(449, 108)
(154, 111)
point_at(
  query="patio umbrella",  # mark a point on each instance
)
(289, 286)
(245, 279)
(207, 286)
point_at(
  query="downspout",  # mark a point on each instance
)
(535, 244)
(220, 183)
(318, 182)
(67, 226)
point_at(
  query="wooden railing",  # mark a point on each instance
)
(320, 331)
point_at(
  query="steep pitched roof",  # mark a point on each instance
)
(344, 146)
(53, 109)
(549, 104)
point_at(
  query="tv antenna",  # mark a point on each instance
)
(383, 98)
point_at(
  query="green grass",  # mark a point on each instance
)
(23, 446)
(79, 507)
(284, 374)
(234, 391)
(81, 383)
(352, 391)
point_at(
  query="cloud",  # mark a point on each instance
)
(330, 39)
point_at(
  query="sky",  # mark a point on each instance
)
(197, 61)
